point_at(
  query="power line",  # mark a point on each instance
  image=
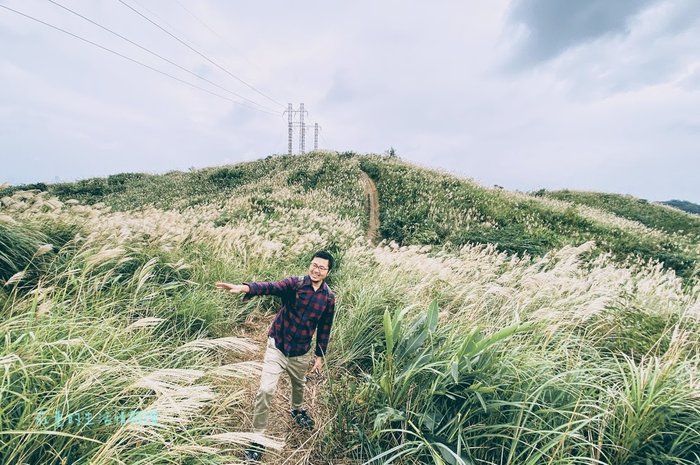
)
(180, 31)
(156, 54)
(222, 38)
(130, 59)
(197, 51)
(173, 28)
(159, 18)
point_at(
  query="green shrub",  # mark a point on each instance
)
(10, 190)
(227, 177)
(119, 182)
(88, 191)
(20, 250)
(305, 178)
(629, 330)
(18, 246)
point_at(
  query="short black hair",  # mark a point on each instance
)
(326, 256)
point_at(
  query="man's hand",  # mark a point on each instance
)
(235, 288)
(318, 365)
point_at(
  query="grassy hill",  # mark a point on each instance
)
(421, 206)
(684, 205)
(669, 220)
(418, 206)
(489, 326)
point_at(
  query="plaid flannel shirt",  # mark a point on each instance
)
(303, 311)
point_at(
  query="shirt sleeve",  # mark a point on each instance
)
(276, 288)
(324, 328)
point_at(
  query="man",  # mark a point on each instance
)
(307, 304)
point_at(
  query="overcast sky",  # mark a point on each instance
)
(594, 95)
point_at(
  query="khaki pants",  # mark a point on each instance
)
(274, 364)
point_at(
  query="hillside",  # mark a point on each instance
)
(485, 327)
(688, 207)
(669, 220)
(419, 206)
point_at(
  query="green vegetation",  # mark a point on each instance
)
(128, 191)
(87, 346)
(664, 219)
(420, 206)
(684, 205)
(450, 346)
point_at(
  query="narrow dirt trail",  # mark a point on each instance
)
(373, 196)
(299, 444)
(298, 448)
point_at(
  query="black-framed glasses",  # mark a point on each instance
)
(319, 268)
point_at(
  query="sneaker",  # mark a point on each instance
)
(303, 419)
(253, 453)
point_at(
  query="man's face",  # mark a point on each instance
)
(318, 270)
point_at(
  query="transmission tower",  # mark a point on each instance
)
(290, 130)
(302, 129)
(291, 124)
(316, 128)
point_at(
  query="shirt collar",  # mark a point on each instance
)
(307, 282)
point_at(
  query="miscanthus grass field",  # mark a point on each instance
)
(488, 327)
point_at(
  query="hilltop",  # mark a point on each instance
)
(686, 206)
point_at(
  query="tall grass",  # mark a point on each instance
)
(109, 355)
(439, 354)
(521, 362)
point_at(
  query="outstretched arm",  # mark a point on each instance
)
(235, 288)
(278, 288)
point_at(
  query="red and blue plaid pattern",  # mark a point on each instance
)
(303, 311)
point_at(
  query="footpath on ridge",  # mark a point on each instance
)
(373, 198)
